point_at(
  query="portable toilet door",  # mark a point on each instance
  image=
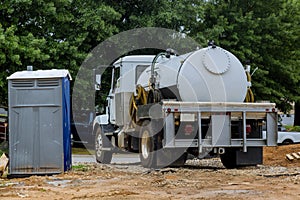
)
(39, 117)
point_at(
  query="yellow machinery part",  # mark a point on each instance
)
(139, 99)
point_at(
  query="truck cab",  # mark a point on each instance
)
(126, 72)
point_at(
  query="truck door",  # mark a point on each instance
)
(112, 95)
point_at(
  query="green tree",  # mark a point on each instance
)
(59, 34)
(50, 34)
(267, 33)
(181, 15)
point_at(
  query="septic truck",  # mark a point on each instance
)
(168, 106)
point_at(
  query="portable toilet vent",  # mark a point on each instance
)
(39, 122)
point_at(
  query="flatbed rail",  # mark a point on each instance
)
(218, 106)
(220, 114)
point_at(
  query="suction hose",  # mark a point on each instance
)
(139, 99)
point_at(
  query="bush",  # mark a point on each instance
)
(293, 128)
(3, 147)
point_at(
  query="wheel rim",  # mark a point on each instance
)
(99, 145)
(145, 144)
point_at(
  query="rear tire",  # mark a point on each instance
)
(152, 153)
(148, 146)
(229, 158)
(101, 141)
(287, 141)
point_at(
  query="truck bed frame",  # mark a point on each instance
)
(221, 116)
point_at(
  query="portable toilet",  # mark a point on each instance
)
(39, 122)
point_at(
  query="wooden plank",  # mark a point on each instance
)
(3, 163)
(296, 155)
(289, 157)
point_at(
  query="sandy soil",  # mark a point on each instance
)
(198, 179)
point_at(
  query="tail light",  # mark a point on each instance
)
(248, 128)
(188, 129)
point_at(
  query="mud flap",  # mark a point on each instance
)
(253, 156)
(234, 157)
(171, 157)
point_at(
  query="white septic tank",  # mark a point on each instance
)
(210, 74)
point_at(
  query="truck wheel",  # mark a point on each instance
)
(102, 141)
(229, 158)
(152, 154)
(287, 141)
(148, 146)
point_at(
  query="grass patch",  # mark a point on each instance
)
(80, 167)
(82, 151)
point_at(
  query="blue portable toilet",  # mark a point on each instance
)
(39, 122)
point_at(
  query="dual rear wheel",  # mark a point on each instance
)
(152, 155)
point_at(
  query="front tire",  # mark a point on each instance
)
(101, 141)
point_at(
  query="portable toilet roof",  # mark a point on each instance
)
(39, 74)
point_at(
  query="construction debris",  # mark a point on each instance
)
(293, 156)
(3, 163)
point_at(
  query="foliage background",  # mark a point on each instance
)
(60, 34)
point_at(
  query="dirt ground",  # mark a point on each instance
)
(277, 178)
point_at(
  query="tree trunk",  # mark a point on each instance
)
(297, 114)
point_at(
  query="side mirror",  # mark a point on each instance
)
(97, 81)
